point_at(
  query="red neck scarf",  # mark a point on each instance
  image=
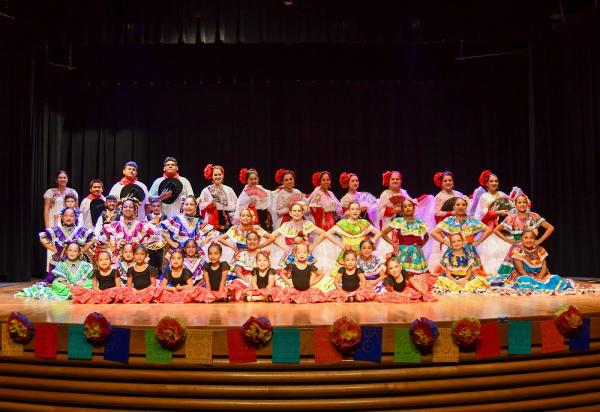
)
(92, 196)
(125, 181)
(175, 175)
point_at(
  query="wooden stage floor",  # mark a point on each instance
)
(448, 308)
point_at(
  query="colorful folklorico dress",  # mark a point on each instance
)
(468, 227)
(410, 240)
(494, 249)
(283, 201)
(513, 227)
(240, 285)
(135, 232)
(532, 261)
(372, 270)
(437, 249)
(220, 214)
(262, 208)
(182, 228)
(60, 236)
(74, 273)
(324, 208)
(457, 267)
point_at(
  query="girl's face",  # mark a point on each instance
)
(354, 210)
(252, 241)
(493, 183)
(296, 212)
(301, 252)
(128, 210)
(96, 189)
(156, 208)
(70, 202)
(246, 217)
(528, 240)
(408, 208)
(448, 183)
(521, 204)
(104, 261)
(393, 268)
(62, 179)
(460, 207)
(456, 242)
(191, 249)
(366, 250)
(217, 176)
(325, 181)
(214, 255)
(395, 181)
(176, 261)
(127, 253)
(139, 256)
(350, 261)
(288, 181)
(252, 179)
(68, 217)
(353, 183)
(73, 251)
(262, 262)
(189, 207)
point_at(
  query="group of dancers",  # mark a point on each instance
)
(167, 245)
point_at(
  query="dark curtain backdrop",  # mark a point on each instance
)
(567, 118)
(16, 225)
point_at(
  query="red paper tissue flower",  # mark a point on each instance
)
(465, 333)
(170, 333)
(423, 333)
(568, 320)
(344, 334)
(257, 332)
(20, 328)
(96, 328)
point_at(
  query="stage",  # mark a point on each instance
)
(538, 381)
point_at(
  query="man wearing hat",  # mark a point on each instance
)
(171, 188)
(130, 187)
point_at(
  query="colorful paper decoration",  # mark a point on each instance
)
(155, 352)
(19, 328)
(345, 335)
(552, 339)
(9, 346)
(423, 333)
(170, 333)
(404, 348)
(444, 348)
(325, 352)
(117, 346)
(198, 346)
(286, 345)
(519, 337)
(568, 320)
(257, 332)
(239, 351)
(369, 348)
(489, 341)
(465, 333)
(78, 346)
(45, 340)
(581, 340)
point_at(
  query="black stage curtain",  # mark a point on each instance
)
(16, 226)
(567, 112)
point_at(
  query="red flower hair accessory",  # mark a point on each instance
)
(345, 179)
(170, 333)
(208, 171)
(279, 176)
(465, 333)
(316, 176)
(96, 328)
(385, 178)
(244, 175)
(345, 334)
(257, 332)
(484, 177)
(568, 320)
(19, 328)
